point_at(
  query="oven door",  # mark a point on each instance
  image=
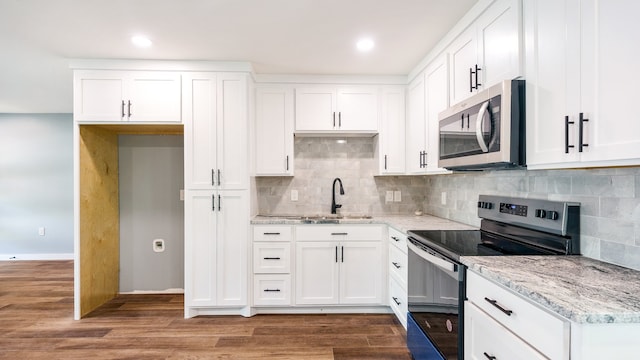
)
(436, 296)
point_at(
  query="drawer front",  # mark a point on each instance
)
(485, 338)
(272, 233)
(271, 258)
(398, 301)
(398, 239)
(339, 232)
(398, 265)
(544, 331)
(270, 290)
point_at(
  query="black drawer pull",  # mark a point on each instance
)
(396, 265)
(271, 233)
(495, 303)
(335, 234)
(395, 238)
(272, 258)
(271, 290)
(395, 299)
(490, 357)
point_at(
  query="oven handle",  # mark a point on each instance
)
(483, 109)
(446, 265)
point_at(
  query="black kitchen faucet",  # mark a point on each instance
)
(335, 206)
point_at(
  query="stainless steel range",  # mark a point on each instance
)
(436, 287)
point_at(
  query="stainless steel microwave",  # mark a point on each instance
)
(485, 131)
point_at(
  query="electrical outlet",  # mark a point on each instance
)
(389, 197)
(41, 231)
(294, 195)
(397, 196)
(443, 198)
(158, 245)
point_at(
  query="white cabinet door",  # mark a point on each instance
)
(200, 129)
(232, 141)
(99, 96)
(200, 249)
(134, 96)
(416, 126)
(609, 54)
(316, 109)
(437, 100)
(274, 131)
(391, 140)
(216, 131)
(317, 274)
(357, 109)
(232, 238)
(154, 97)
(361, 272)
(463, 54)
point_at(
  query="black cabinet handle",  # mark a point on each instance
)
(385, 162)
(129, 109)
(476, 72)
(334, 119)
(462, 121)
(122, 109)
(271, 290)
(287, 163)
(467, 121)
(566, 134)
(336, 253)
(219, 203)
(395, 299)
(336, 234)
(271, 233)
(219, 182)
(395, 238)
(271, 258)
(396, 265)
(340, 119)
(470, 79)
(495, 303)
(213, 202)
(581, 121)
(213, 177)
(342, 254)
(490, 357)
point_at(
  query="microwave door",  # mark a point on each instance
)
(480, 129)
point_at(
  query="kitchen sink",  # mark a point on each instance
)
(322, 219)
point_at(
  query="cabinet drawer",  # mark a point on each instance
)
(271, 258)
(398, 265)
(398, 301)
(271, 233)
(339, 232)
(271, 290)
(398, 239)
(485, 338)
(544, 331)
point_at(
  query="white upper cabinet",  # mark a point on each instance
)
(133, 96)
(216, 131)
(274, 131)
(437, 100)
(488, 51)
(578, 56)
(336, 109)
(416, 127)
(391, 140)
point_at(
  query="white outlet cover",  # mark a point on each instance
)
(443, 198)
(397, 196)
(389, 196)
(158, 245)
(294, 195)
(41, 231)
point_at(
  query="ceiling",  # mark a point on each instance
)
(38, 37)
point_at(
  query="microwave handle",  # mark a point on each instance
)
(483, 109)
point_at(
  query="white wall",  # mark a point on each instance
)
(36, 186)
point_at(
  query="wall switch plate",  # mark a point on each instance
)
(389, 197)
(443, 198)
(158, 245)
(41, 231)
(397, 196)
(294, 195)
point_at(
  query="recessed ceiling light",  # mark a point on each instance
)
(141, 41)
(365, 45)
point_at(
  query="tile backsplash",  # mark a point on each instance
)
(610, 198)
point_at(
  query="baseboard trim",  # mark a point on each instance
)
(18, 257)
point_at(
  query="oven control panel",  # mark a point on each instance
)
(544, 215)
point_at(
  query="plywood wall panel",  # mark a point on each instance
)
(99, 217)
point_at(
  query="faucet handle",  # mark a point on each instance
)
(338, 206)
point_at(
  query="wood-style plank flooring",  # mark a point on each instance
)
(36, 322)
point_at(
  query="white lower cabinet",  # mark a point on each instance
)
(272, 289)
(493, 311)
(272, 265)
(398, 262)
(345, 268)
(486, 339)
(216, 237)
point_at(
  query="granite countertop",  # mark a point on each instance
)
(401, 223)
(577, 288)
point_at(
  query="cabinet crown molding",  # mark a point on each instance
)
(160, 65)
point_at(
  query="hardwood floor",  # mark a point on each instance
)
(36, 322)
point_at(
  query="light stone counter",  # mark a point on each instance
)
(577, 288)
(398, 222)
